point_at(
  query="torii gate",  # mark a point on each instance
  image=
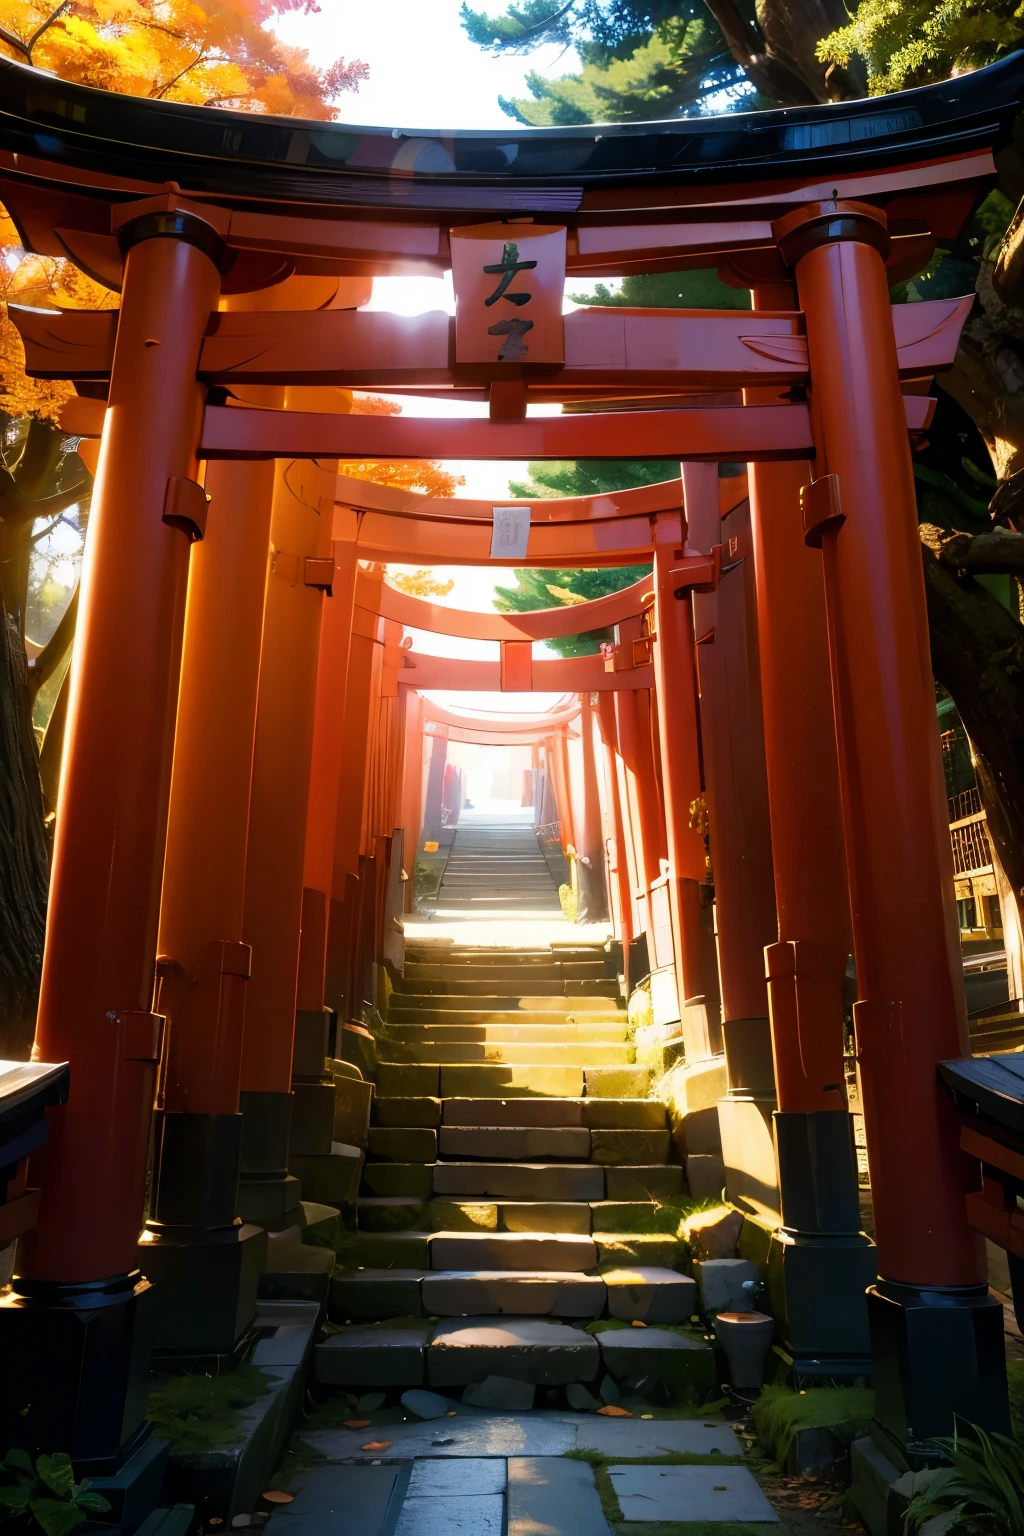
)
(224, 232)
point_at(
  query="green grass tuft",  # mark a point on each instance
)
(1015, 1379)
(200, 1413)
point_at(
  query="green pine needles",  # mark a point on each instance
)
(913, 42)
(46, 1494)
(980, 1491)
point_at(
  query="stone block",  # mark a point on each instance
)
(408, 1111)
(546, 1216)
(288, 1254)
(471, 1293)
(721, 1284)
(623, 1114)
(713, 1234)
(384, 1250)
(688, 1089)
(634, 1438)
(748, 1151)
(698, 1134)
(521, 1181)
(658, 1249)
(630, 1148)
(402, 1144)
(376, 1293)
(413, 1179)
(650, 1295)
(872, 1476)
(552, 1495)
(356, 1044)
(815, 1452)
(373, 1357)
(617, 1082)
(320, 1224)
(332, 1179)
(352, 1101)
(664, 1182)
(527, 1348)
(705, 1175)
(706, 1494)
(461, 1216)
(426, 1405)
(390, 1213)
(500, 1392)
(514, 1143)
(404, 1079)
(517, 1111)
(634, 1216)
(564, 1252)
(509, 1080)
(631, 1354)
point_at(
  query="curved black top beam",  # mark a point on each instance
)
(242, 155)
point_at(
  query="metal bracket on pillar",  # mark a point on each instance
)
(185, 507)
(319, 572)
(696, 573)
(141, 1034)
(820, 509)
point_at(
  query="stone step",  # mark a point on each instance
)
(474, 1293)
(634, 1216)
(547, 1112)
(513, 1079)
(658, 1249)
(406, 1179)
(413, 1213)
(538, 969)
(613, 1033)
(522, 1181)
(456, 986)
(402, 1144)
(514, 1144)
(630, 1148)
(498, 1001)
(575, 1053)
(522, 1348)
(407, 1111)
(618, 1082)
(560, 1251)
(660, 1182)
(428, 1018)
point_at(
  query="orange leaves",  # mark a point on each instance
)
(423, 475)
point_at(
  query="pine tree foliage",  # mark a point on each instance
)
(913, 42)
(558, 589)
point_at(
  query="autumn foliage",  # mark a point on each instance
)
(218, 53)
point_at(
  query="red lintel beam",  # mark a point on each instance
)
(750, 433)
(432, 541)
(578, 674)
(511, 724)
(543, 624)
(603, 346)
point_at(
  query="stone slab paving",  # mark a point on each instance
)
(634, 1438)
(533, 1434)
(339, 1501)
(548, 1496)
(690, 1493)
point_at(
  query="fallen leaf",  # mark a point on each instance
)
(357, 1423)
(377, 1445)
(720, 1488)
(275, 1496)
(613, 1411)
(638, 1324)
(452, 1413)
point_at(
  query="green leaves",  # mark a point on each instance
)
(55, 1516)
(48, 1491)
(56, 1472)
(981, 1490)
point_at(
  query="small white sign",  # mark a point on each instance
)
(511, 533)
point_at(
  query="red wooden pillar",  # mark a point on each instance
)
(594, 905)
(300, 562)
(619, 860)
(412, 788)
(675, 673)
(640, 803)
(736, 789)
(820, 1247)
(72, 1336)
(936, 1333)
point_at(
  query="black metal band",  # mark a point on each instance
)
(832, 229)
(176, 224)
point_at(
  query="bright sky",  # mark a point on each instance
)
(424, 71)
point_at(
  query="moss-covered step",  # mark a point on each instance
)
(405, 1079)
(378, 1355)
(523, 1348)
(660, 1182)
(402, 1144)
(514, 1144)
(647, 1294)
(630, 1354)
(452, 1215)
(352, 1104)
(544, 1216)
(616, 1249)
(623, 1114)
(511, 1081)
(390, 1213)
(558, 1251)
(384, 1250)
(617, 1082)
(413, 1110)
(478, 1293)
(376, 1293)
(635, 1216)
(522, 1053)
(625, 1148)
(515, 1112)
(524, 1032)
(413, 1179)
(521, 1181)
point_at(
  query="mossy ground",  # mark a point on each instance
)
(199, 1413)
(780, 1413)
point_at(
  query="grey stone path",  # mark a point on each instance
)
(510, 1475)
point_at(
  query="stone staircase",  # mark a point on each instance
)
(519, 1184)
(496, 865)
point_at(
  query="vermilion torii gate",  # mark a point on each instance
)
(223, 826)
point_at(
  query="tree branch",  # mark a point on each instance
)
(767, 74)
(55, 649)
(170, 84)
(999, 552)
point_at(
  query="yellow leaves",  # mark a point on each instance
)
(565, 595)
(423, 475)
(422, 583)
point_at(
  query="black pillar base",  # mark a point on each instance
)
(820, 1262)
(75, 1363)
(268, 1195)
(939, 1354)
